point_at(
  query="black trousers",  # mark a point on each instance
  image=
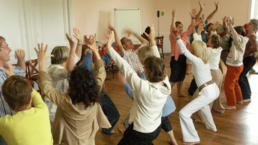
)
(132, 137)
(110, 111)
(165, 124)
(249, 62)
(193, 87)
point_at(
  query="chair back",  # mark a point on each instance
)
(31, 69)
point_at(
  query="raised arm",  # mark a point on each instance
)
(200, 11)
(72, 55)
(139, 37)
(44, 80)
(20, 55)
(212, 14)
(151, 37)
(100, 72)
(173, 18)
(78, 36)
(118, 42)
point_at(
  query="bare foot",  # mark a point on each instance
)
(240, 102)
(230, 107)
(172, 142)
(121, 127)
(191, 143)
(247, 100)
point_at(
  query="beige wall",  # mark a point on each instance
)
(238, 9)
(93, 16)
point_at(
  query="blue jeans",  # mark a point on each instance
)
(2, 141)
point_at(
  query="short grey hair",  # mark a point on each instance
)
(255, 23)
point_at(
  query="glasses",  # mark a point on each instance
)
(4, 47)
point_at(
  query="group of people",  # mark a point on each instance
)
(76, 103)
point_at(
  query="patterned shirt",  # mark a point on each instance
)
(133, 60)
(4, 107)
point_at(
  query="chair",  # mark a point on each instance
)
(31, 70)
(31, 82)
(159, 43)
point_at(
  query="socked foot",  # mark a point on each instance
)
(121, 127)
(247, 100)
(191, 143)
(240, 102)
(172, 142)
(230, 107)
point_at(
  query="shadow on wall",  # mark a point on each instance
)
(104, 19)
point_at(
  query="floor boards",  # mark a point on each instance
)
(235, 127)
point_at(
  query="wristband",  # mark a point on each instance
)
(79, 44)
(135, 34)
(177, 37)
(72, 56)
(193, 18)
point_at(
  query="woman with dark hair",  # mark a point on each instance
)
(249, 59)
(178, 60)
(235, 65)
(78, 114)
(149, 95)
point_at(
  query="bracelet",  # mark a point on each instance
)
(79, 44)
(177, 37)
(193, 18)
(135, 34)
(216, 10)
(72, 56)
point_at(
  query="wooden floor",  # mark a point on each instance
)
(235, 127)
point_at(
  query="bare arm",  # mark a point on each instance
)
(139, 37)
(173, 18)
(20, 55)
(118, 42)
(78, 36)
(212, 14)
(200, 11)
(71, 58)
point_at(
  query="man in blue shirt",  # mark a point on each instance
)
(18, 70)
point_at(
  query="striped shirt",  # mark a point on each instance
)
(4, 107)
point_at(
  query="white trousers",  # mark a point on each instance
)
(206, 96)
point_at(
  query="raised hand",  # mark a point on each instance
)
(128, 32)
(20, 54)
(77, 34)
(195, 23)
(201, 5)
(92, 43)
(201, 27)
(215, 25)
(217, 5)
(152, 33)
(230, 21)
(174, 12)
(71, 41)
(8, 69)
(41, 53)
(110, 37)
(112, 28)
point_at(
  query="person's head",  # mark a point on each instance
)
(127, 43)
(17, 92)
(179, 27)
(83, 87)
(4, 52)
(252, 25)
(154, 69)
(214, 41)
(209, 27)
(240, 30)
(144, 53)
(61, 54)
(199, 49)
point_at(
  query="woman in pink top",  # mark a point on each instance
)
(178, 60)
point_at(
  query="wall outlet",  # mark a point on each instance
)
(162, 13)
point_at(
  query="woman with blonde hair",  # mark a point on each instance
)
(209, 91)
(214, 51)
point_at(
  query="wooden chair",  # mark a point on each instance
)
(31, 70)
(31, 82)
(159, 42)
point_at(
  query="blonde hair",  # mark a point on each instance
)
(144, 53)
(200, 50)
(61, 54)
(255, 23)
